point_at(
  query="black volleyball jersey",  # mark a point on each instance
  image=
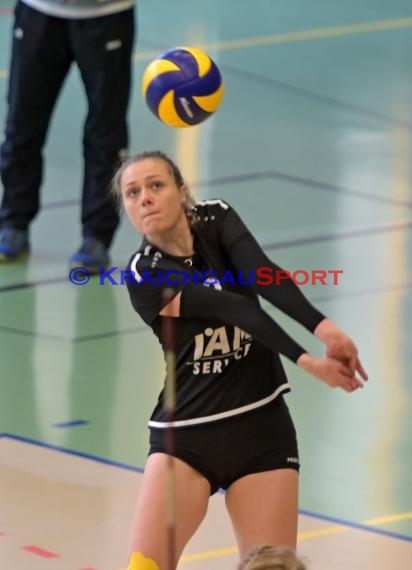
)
(221, 370)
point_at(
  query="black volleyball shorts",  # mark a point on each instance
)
(226, 450)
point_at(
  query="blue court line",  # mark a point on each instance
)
(73, 423)
(313, 96)
(60, 204)
(110, 334)
(329, 187)
(233, 178)
(79, 339)
(97, 459)
(36, 334)
(301, 181)
(362, 293)
(338, 235)
(28, 284)
(357, 526)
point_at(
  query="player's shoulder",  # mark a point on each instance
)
(146, 257)
(210, 210)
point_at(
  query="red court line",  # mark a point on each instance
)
(5, 11)
(44, 553)
(40, 551)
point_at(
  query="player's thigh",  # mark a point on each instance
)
(264, 508)
(190, 494)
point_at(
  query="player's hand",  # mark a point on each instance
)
(340, 346)
(333, 372)
(344, 350)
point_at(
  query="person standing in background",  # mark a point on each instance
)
(48, 37)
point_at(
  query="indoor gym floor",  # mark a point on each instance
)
(312, 145)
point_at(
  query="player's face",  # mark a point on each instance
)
(151, 198)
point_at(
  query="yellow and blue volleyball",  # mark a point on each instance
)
(182, 87)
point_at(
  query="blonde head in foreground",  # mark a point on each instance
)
(271, 558)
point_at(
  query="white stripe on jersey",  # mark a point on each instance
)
(133, 267)
(223, 415)
(213, 203)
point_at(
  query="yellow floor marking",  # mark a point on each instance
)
(307, 535)
(389, 519)
(300, 36)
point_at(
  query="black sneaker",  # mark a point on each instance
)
(92, 255)
(13, 244)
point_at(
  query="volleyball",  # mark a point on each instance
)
(182, 86)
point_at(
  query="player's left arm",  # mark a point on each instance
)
(247, 255)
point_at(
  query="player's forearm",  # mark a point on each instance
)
(200, 302)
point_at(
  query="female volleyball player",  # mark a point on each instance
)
(231, 426)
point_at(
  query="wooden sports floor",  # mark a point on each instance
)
(312, 145)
